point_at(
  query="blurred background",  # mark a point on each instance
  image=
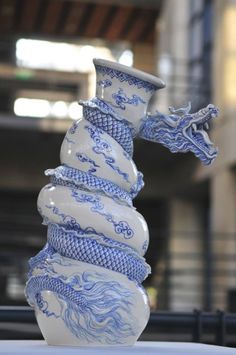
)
(46, 52)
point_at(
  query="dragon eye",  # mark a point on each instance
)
(211, 107)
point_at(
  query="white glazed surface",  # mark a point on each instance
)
(136, 98)
(95, 302)
(55, 202)
(110, 163)
(56, 331)
(87, 303)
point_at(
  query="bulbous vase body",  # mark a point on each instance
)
(85, 285)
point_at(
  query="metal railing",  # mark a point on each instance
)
(203, 327)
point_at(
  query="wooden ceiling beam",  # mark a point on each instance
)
(129, 23)
(63, 17)
(40, 16)
(74, 17)
(119, 21)
(82, 24)
(7, 11)
(149, 31)
(112, 21)
(52, 16)
(152, 4)
(29, 14)
(138, 25)
(108, 20)
(150, 38)
(18, 13)
(96, 21)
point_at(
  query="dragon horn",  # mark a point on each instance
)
(180, 111)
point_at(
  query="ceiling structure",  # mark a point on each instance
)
(110, 20)
(71, 20)
(115, 20)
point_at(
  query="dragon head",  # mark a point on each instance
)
(182, 131)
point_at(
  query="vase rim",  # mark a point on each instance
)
(152, 79)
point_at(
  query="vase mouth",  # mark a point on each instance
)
(139, 74)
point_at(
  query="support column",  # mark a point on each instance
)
(144, 57)
(223, 226)
(185, 253)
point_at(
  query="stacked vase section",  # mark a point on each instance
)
(85, 285)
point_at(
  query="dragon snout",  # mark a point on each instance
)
(213, 110)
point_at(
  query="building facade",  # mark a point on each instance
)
(197, 59)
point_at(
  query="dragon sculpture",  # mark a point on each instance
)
(86, 284)
(182, 131)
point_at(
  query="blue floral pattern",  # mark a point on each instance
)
(117, 128)
(66, 176)
(103, 147)
(70, 244)
(93, 307)
(145, 246)
(104, 83)
(182, 131)
(121, 99)
(69, 221)
(124, 77)
(94, 313)
(85, 159)
(70, 141)
(73, 128)
(120, 227)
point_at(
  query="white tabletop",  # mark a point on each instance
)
(35, 347)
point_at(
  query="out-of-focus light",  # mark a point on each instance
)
(126, 58)
(75, 110)
(228, 78)
(24, 74)
(47, 109)
(85, 58)
(59, 109)
(164, 66)
(31, 107)
(39, 54)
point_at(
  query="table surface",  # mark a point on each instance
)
(36, 347)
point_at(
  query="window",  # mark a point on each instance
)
(200, 51)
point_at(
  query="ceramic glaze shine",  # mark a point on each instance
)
(85, 285)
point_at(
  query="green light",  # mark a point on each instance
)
(24, 74)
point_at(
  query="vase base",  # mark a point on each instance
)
(59, 336)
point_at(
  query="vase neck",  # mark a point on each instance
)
(126, 93)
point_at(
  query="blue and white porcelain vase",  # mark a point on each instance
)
(85, 285)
